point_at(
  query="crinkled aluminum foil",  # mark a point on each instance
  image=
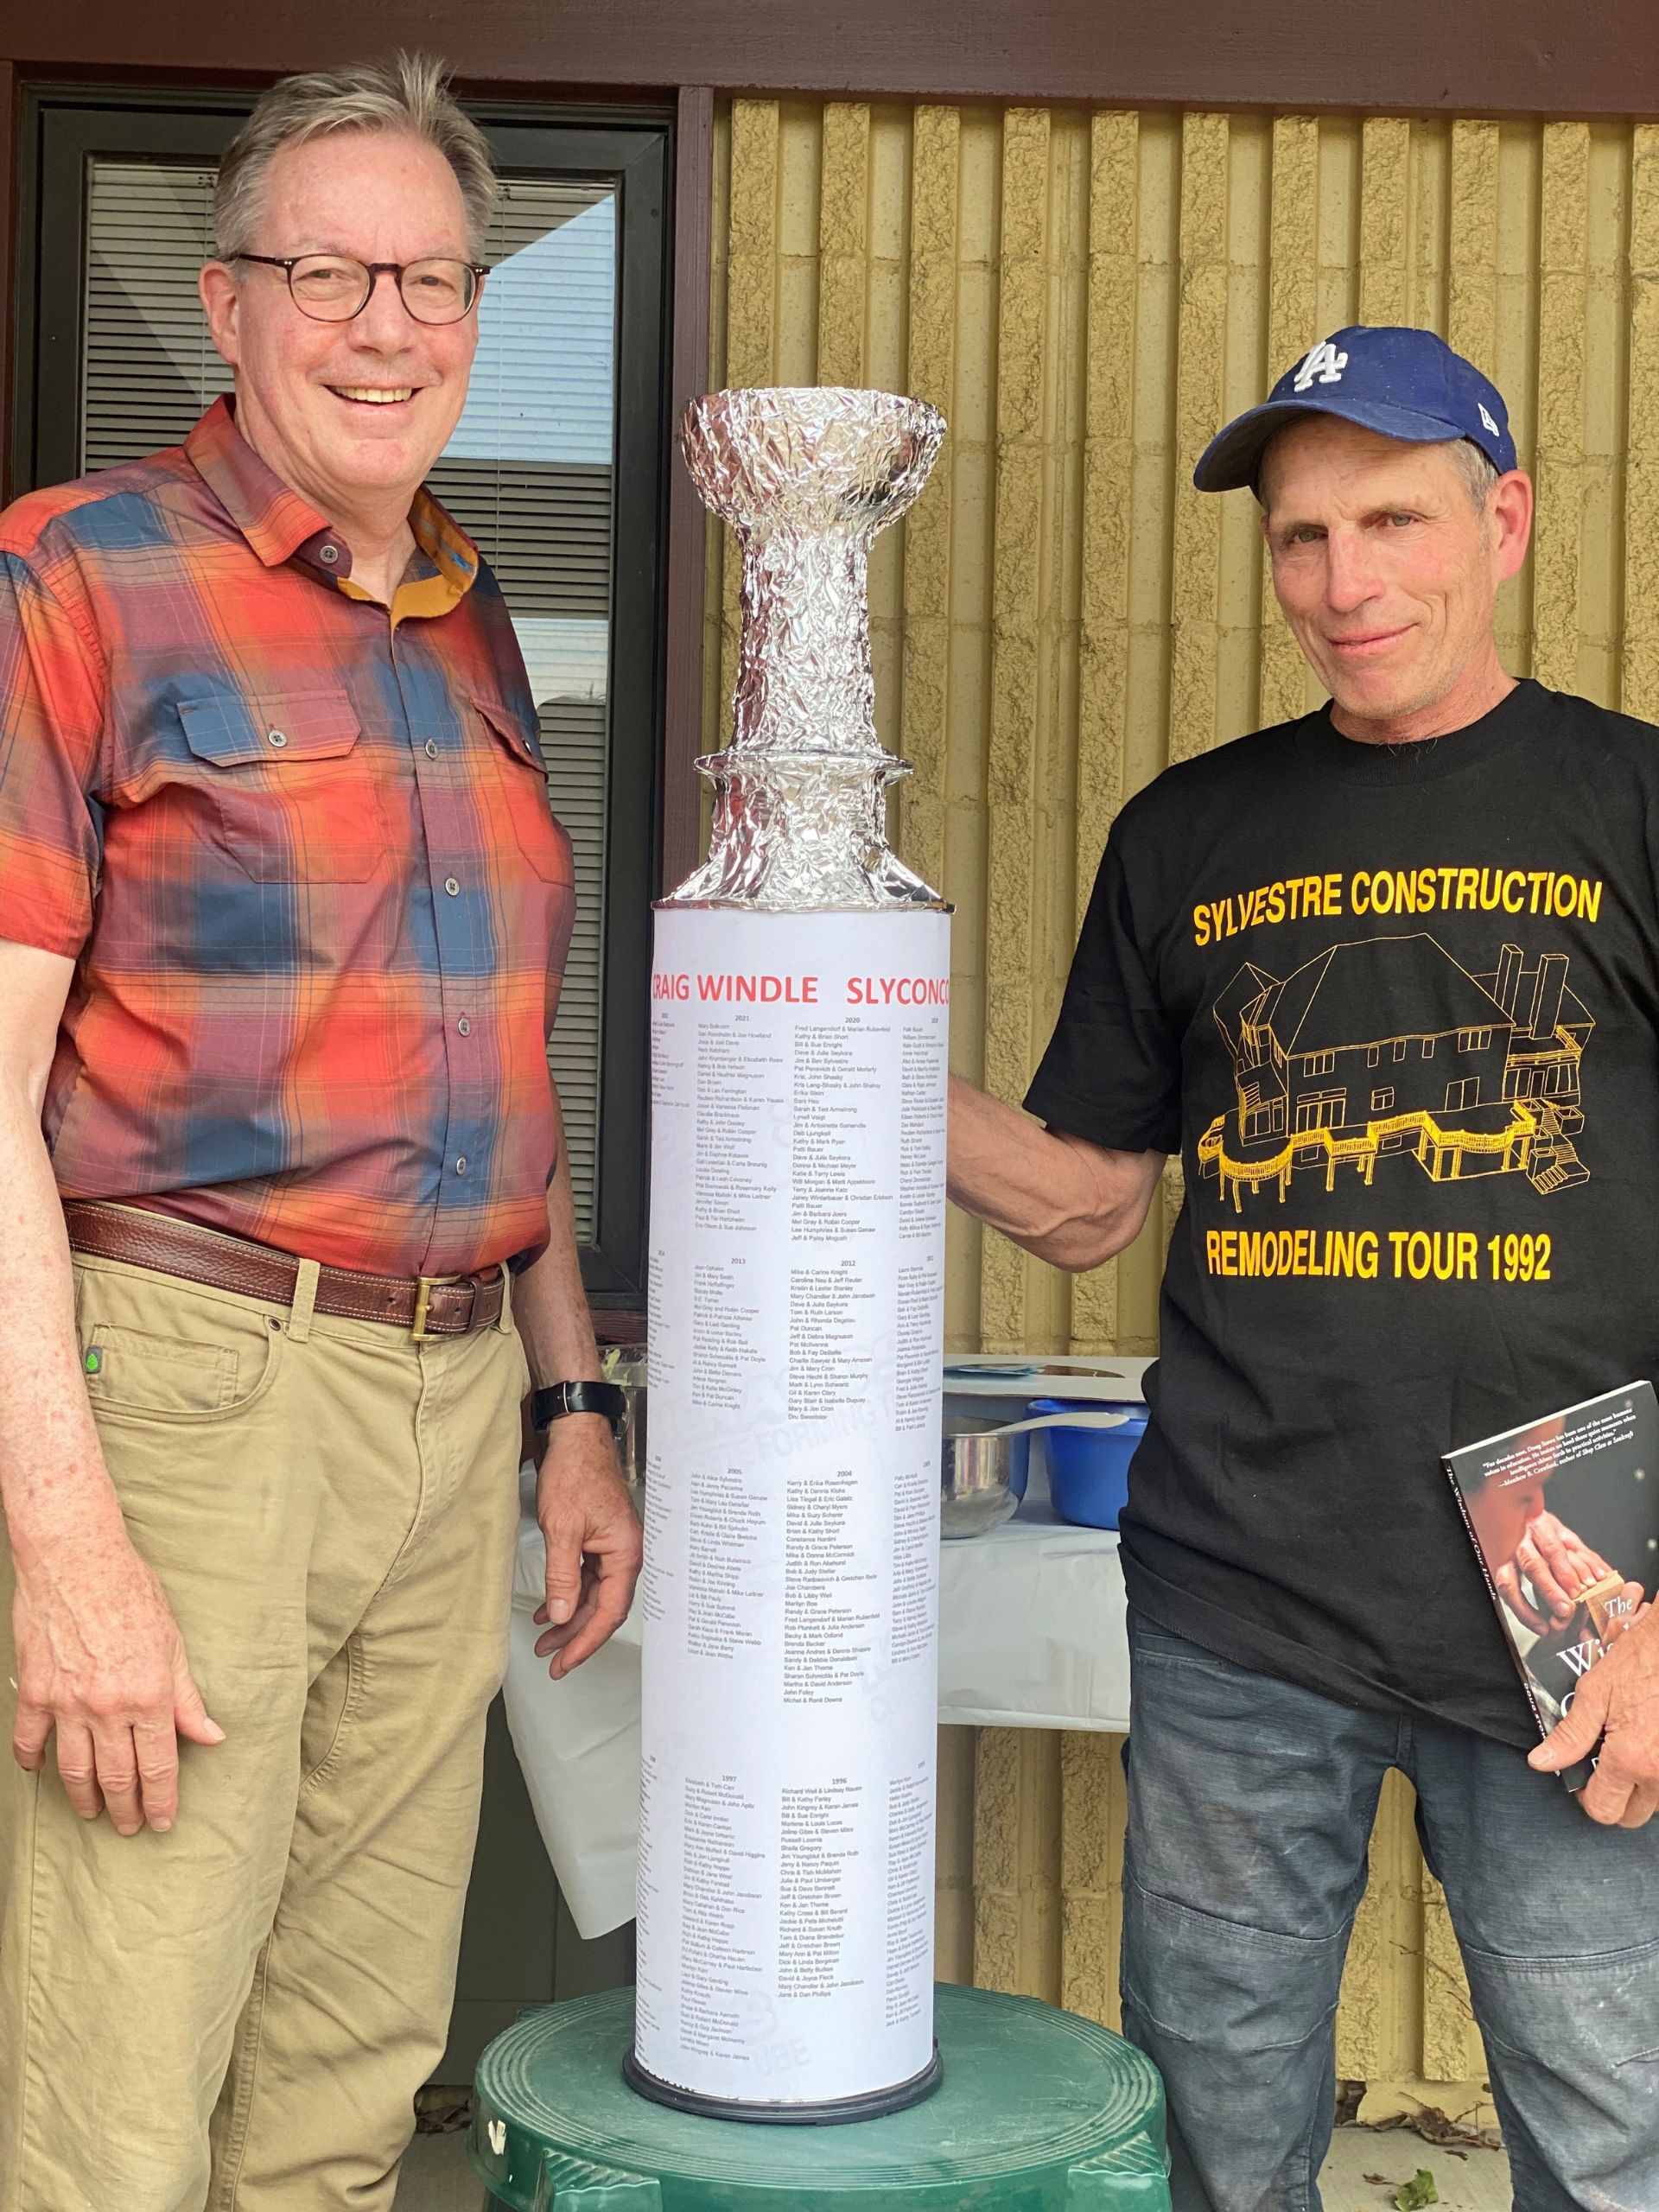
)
(806, 478)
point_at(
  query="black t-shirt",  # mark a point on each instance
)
(1397, 1007)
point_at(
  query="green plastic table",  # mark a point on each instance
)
(1039, 2112)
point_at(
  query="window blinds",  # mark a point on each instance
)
(528, 475)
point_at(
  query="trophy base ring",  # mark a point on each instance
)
(1038, 2108)
(833, 2112)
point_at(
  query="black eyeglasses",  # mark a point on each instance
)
(332, 288)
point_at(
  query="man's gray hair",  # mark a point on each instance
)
(1478, 470)
(409, 95)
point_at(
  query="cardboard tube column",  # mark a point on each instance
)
(800, 1013)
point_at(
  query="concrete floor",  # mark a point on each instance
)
(1476, 2182)
(435, 2177)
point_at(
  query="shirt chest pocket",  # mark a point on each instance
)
(294, 789)
(521, 781)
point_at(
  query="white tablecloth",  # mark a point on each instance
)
(1031, 1635)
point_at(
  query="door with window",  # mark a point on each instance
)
(556, 470)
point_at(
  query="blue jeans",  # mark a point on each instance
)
(1250, 1807)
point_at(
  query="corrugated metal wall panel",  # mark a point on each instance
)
(1088, 296)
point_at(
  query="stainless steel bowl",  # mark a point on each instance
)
(981, 1476)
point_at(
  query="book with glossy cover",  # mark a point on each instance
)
(1564, 1514)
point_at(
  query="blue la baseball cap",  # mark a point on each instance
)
(1403, 383)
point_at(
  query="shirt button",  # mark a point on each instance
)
(452, 886)
(461, 1163)
(328, 553)
(431, 749)
(464, 1026)
(276, 737)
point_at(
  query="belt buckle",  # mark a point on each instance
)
(424, 1287)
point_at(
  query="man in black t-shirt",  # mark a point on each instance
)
(1387, 979)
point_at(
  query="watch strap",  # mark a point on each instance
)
(555, 1400)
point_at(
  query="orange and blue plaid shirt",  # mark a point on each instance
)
(299, 847)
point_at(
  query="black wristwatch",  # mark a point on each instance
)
(555, 1400)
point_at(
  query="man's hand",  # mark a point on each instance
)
(1617, 1703)
(98, 1655)
(100, 1661)
(594, 1541)
(1558, 1564)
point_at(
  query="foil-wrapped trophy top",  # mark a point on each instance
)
(806, 478)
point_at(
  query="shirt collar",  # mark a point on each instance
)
(453, 556)
(279, 525)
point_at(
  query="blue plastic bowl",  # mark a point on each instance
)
(1089, 1468)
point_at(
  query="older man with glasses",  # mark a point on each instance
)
(288, 1230)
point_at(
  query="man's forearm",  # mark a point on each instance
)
(587, 1521)
(53, 1481)
(548, 1302)
(1071, 1203)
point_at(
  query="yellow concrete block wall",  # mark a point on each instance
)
(1088, 295)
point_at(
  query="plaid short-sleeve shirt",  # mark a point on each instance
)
(300, 850)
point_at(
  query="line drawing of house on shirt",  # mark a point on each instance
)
(1387, 1045)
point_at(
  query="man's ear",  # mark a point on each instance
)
(221, 300)
(1511, 512)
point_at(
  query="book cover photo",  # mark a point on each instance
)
(1564, 1512)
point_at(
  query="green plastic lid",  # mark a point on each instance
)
(1039, 2112)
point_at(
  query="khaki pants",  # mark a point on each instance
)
(234, 2017)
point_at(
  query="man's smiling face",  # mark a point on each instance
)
(352, 415)
(1385, 567)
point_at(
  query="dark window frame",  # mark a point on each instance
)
(1490, 57)
(631, 148)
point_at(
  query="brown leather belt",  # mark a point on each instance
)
(429, 1306)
